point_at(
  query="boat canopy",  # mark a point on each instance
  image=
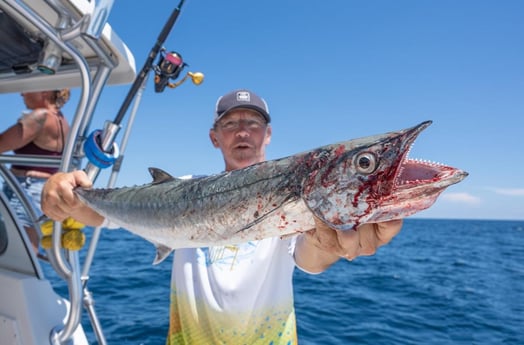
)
(37, 39)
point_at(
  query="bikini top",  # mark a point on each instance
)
(32, 149)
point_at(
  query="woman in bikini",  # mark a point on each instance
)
(42, 130)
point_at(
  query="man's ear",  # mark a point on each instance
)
(268, 134)
(213, 138)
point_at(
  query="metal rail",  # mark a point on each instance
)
(71, 26)
(66, 263)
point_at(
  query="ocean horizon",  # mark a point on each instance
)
(439, 281)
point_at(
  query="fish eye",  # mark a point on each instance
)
(366, 163)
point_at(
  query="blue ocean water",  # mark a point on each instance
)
(437, 282)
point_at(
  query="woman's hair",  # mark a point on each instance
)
(60, 97)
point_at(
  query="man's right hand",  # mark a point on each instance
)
(59, 200)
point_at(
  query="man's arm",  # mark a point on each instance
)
(318, 249)
(59, 201)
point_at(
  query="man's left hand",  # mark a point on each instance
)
(351, 244)
(319, 248)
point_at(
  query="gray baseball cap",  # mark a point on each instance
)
(241, 98)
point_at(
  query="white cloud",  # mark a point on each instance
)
(461, 197)
(509, 191)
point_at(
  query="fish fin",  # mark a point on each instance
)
(160, 175)
(162, 252)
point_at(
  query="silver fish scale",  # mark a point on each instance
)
(260, 197)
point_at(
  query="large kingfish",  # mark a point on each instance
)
(370, 179)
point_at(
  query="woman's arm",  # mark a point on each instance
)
(24, 131)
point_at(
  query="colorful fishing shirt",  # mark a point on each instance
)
(232, 295)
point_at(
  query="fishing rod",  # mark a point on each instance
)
(99, 146)
(149, 63)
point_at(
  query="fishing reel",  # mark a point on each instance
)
(169, 66)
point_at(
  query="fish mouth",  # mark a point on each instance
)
(416, 173)
(416, 184)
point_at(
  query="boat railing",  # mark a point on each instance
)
(78, 35)
(68, 28)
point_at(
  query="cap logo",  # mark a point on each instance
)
(243, 96)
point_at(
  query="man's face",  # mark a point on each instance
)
(242, 136)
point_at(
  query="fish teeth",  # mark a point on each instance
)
(426, 162)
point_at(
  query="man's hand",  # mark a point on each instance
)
(59, 201)
(351, 244)
(321, 247)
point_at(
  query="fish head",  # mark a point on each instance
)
(372, 179)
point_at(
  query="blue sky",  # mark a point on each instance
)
(332, 71)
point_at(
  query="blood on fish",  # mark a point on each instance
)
(279, 197)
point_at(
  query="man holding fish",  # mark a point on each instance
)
(238, 293)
